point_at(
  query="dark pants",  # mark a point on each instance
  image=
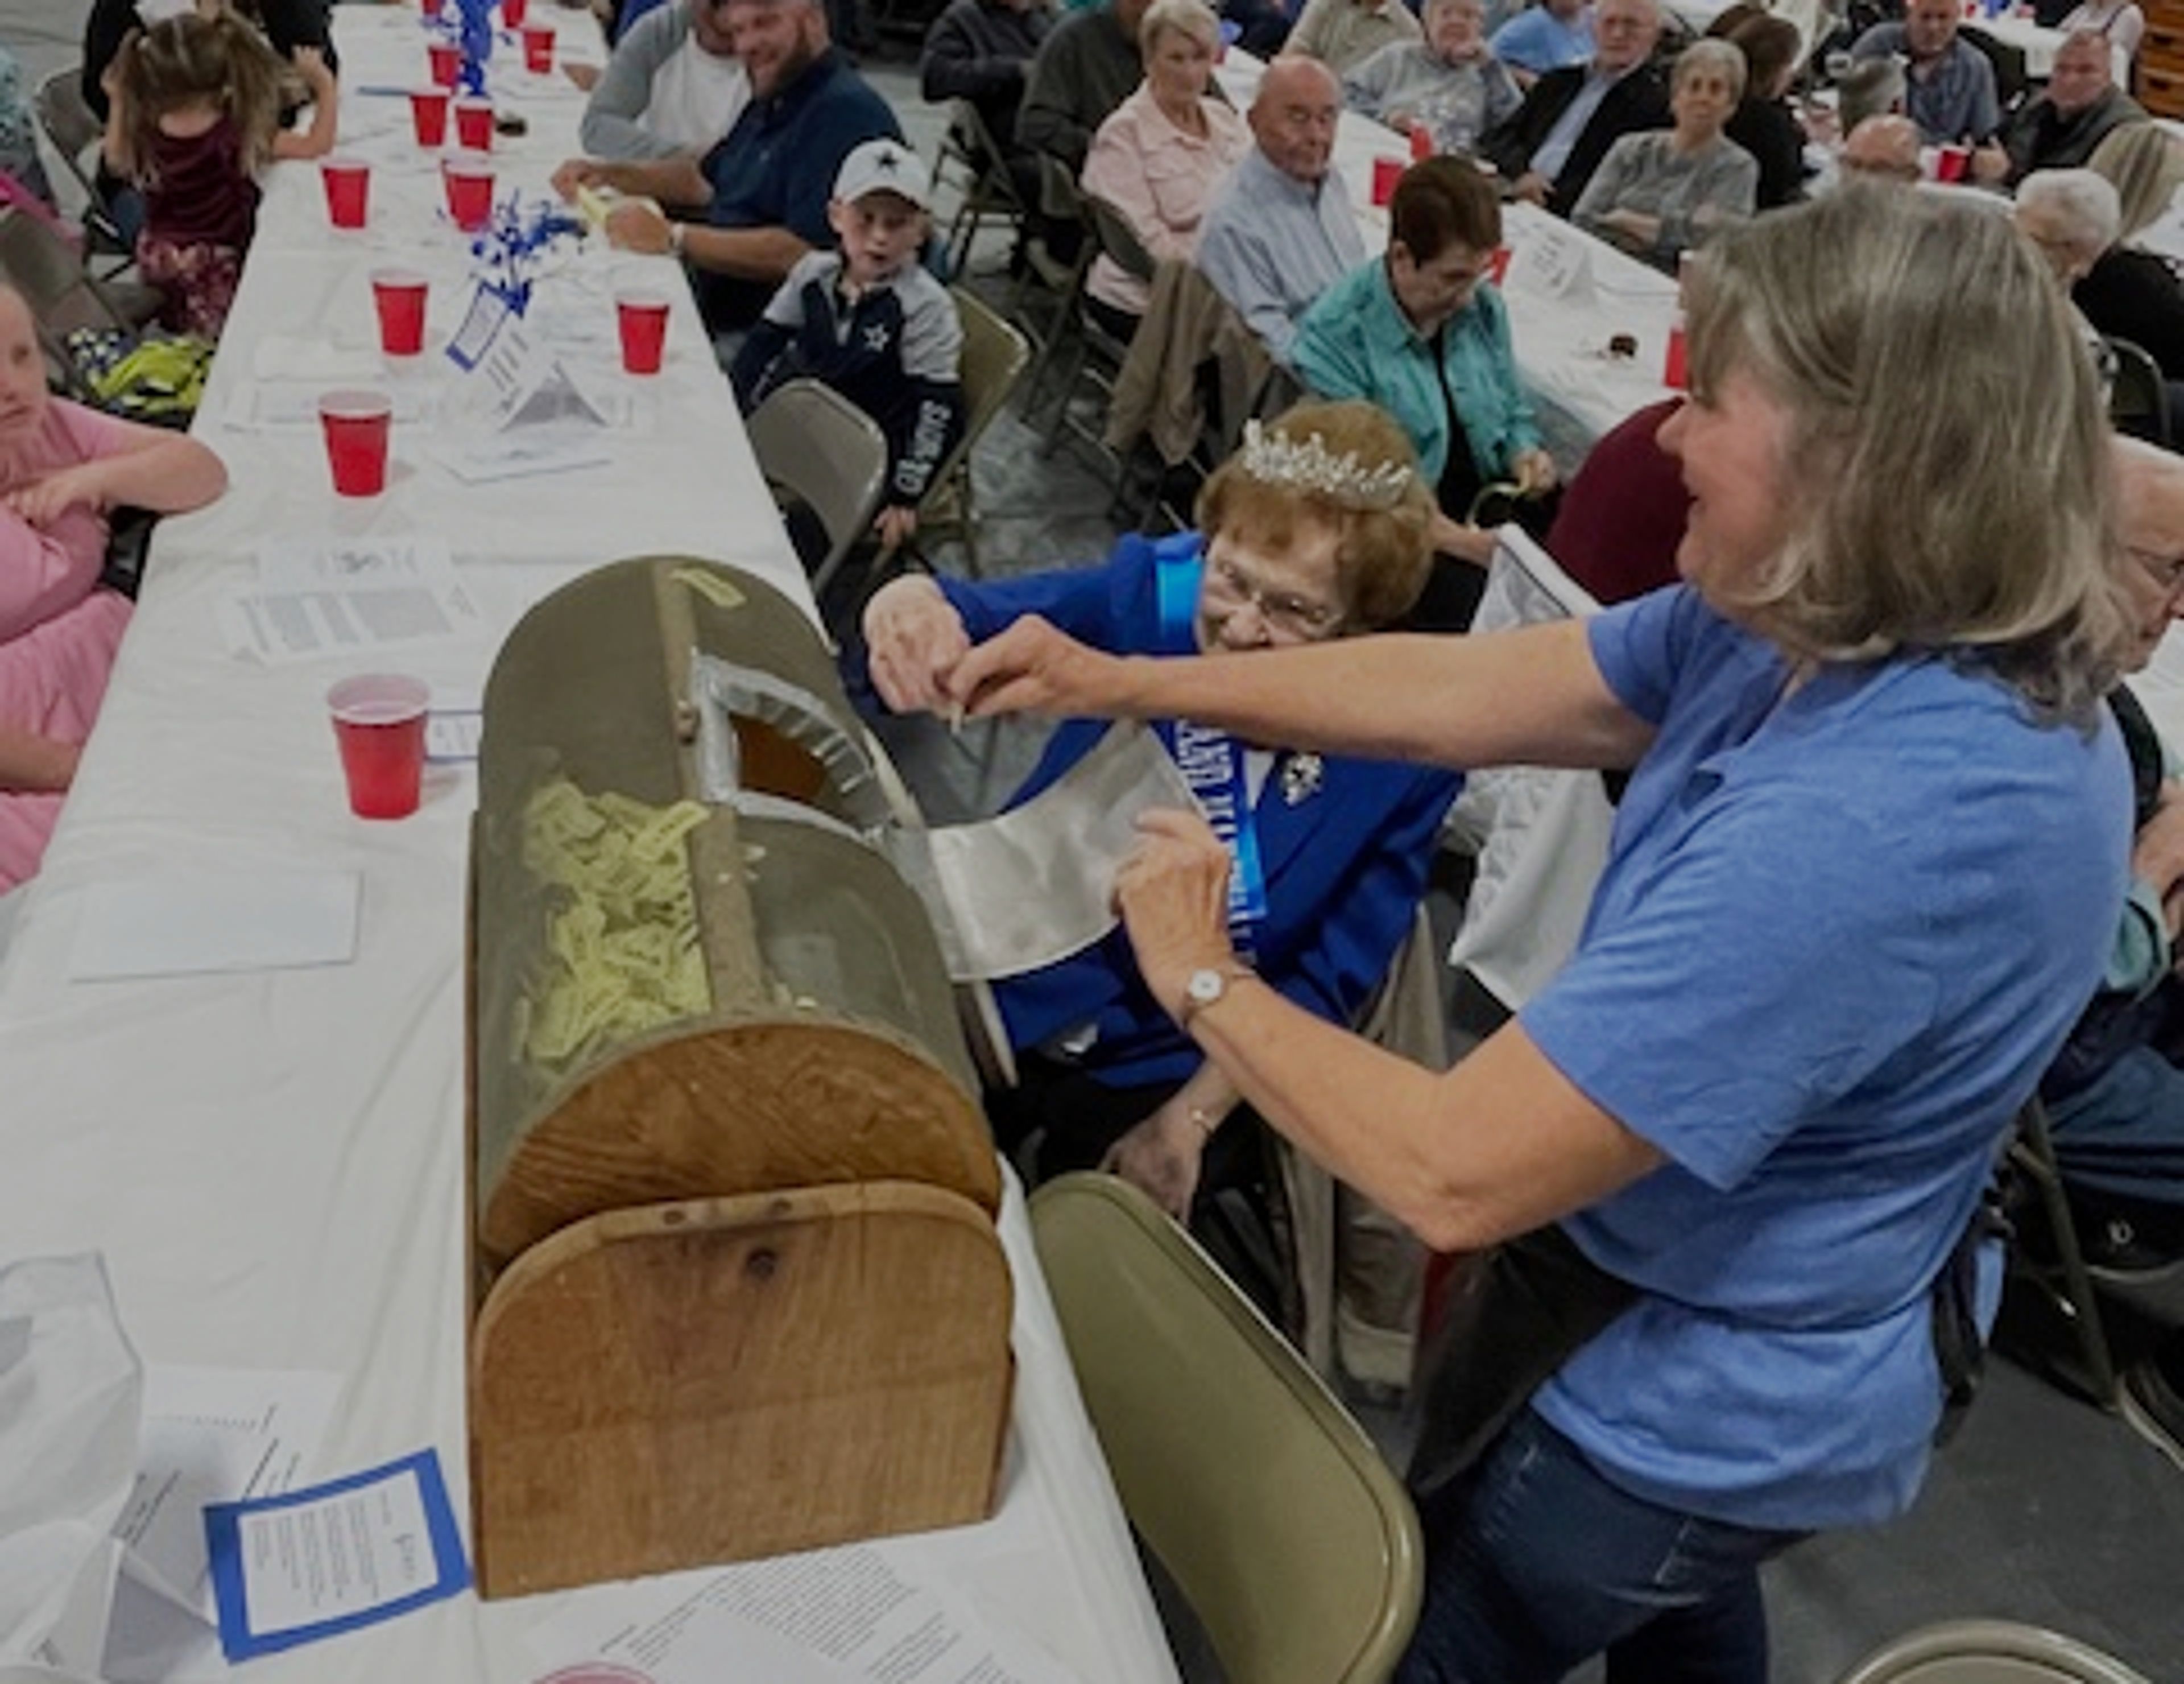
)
(1058, 1119)
(1535, 1563)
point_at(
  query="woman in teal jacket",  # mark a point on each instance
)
(1421, 333)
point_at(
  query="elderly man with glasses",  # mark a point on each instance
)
(1550, 147)
(1281, 231)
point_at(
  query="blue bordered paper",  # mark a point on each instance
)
(262, 1551)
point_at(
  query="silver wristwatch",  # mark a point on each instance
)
(1203, 988)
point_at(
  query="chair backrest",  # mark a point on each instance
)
(822, 449)
(994, 353)
(1118, 238)
(1296, 1548)
(68, 122)
(1988, 1652)
(2138, 397)
(49, 273)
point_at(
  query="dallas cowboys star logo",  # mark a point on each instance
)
(876, 338)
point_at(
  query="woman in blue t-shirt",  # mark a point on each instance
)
(1874, 841)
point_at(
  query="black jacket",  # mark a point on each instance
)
(1639, 101)
(2135, 295)
(1765, 129)
(978, 50)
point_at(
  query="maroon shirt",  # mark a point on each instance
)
(1623, 515)
(204, 193)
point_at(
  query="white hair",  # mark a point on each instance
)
(2085, 206)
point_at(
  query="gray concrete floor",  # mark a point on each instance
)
(2043, 1509)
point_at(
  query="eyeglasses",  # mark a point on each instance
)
(1284, 611)
(2166, 571)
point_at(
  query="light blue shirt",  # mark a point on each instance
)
(1271, 244)
(1554, 151)
(1539, 42)
(1840, 935)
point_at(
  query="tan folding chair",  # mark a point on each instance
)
(63, 294)
(1296, 1548)
(816, 448)
(994, 354)
(971, 158)
(74, 131)
(1988, 1652)
(2138, 397)
(2063, 1276)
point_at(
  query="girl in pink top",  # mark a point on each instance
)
(195, 116)
(62, 467)
(1160, 156)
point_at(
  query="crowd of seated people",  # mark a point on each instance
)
(746, 142)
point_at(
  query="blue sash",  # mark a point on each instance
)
(1212, 761)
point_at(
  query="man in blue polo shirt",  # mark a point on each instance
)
(763, 190)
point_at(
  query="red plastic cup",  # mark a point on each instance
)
(433, 8)
(428, 115)
(1951, 162)
(1497, 270)
(538, 49)
(399, 296)
(347, 182)
(474, 123)
(379, 725)
(470, 192)
(1386, 172)
(447, 62)
(356, 425)
(643, 319)
(513, 11)
(1421, 142)
(1674, 370)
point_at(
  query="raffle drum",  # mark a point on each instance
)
(736, 1285)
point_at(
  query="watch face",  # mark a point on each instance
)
(1204, 986)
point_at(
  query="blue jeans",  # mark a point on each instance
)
(2123, 1132)
(1535, 1563)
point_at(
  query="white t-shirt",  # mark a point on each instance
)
(696, 98)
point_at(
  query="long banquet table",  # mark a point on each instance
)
(272, 1162)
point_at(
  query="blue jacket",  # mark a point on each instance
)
(1356, 342)
(1344, 866)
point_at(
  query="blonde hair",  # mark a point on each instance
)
(222, 60)
(1953, 486)
(1382, 555)
(2146, 166)
(1193, 18)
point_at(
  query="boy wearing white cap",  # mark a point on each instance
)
(869, 320)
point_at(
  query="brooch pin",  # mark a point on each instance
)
(1301, 778)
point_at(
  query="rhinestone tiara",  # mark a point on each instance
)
(1308, 464)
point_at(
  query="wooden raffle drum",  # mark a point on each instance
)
(736, 1285)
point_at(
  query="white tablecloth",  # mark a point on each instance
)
(272, 1162)
(1561, 336)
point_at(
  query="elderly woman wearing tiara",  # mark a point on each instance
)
(1317, 529)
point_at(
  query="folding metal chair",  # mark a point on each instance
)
(1295, 1545)
(970, 155)
(994, 354)
(1988, 1652)
(74, 133)
(63, 294)
(816, 448)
